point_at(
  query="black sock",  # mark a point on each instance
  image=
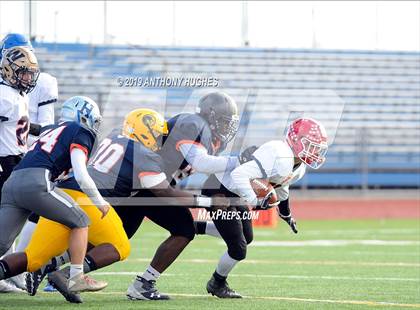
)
(219, 279)
(4, 270)
(89, 264)
(200, 228)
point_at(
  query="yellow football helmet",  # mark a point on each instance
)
(19, 68)
(146, 126)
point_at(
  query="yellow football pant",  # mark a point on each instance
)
(51, 238)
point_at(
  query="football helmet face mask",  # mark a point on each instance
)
(221, 113)
(19, 68)
(308, 140)
(84, 111)
(146, 126)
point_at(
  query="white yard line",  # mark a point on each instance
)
(331, 243)
(278, 298)
(274, 276)
(290, 262)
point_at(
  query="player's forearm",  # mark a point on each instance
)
(78, 160)
(202, 162)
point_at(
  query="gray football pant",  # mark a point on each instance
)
(30, 190)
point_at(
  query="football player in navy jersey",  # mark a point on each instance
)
(65, 146)
(192, 145)
(124, 163)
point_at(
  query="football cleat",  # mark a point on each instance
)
(34, 279)
(58, 279)
(6, 287)
(83, 283)
(221, 289)
(49, 288)
(141, 289)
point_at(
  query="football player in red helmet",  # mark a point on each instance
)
(308, 140)
(282, 163)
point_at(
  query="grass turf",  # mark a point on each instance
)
(349, 276)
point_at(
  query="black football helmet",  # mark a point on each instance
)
(221, 113)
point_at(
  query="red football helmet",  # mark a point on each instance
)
(308, 140)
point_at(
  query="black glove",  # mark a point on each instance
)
(246, 154)
(264, 203)
(291, 222)
(35, 129)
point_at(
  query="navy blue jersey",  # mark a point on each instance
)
(186, 128)
(117, 165)
(52, 150)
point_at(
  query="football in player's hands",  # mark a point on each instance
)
(262, 188)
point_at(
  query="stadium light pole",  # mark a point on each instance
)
(55, 25)
(245, 39)
(105, 23)
(173, 23)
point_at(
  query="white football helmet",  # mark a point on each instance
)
(82, 110)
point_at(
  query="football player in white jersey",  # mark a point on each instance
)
(282, 163)
(41, 113)
(19, 72)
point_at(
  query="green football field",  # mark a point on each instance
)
(328, 265)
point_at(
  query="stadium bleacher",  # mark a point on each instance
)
(372, 96)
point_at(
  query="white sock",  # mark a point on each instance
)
(25, 236)
(151, 274)
(211, 230)
(226, 264)
(75, 270)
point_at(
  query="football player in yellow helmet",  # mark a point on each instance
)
(124, 163)
(146, 126)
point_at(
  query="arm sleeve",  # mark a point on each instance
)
(151, 179)
(78, 162)
(46, 114)
(198, 157)
(241, 177)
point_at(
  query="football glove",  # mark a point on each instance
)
(246, 154)
(290, 221)
(284, 212)
(264, 203)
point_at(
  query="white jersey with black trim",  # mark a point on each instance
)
(14, 121)
(42, 99)
(275, 162)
